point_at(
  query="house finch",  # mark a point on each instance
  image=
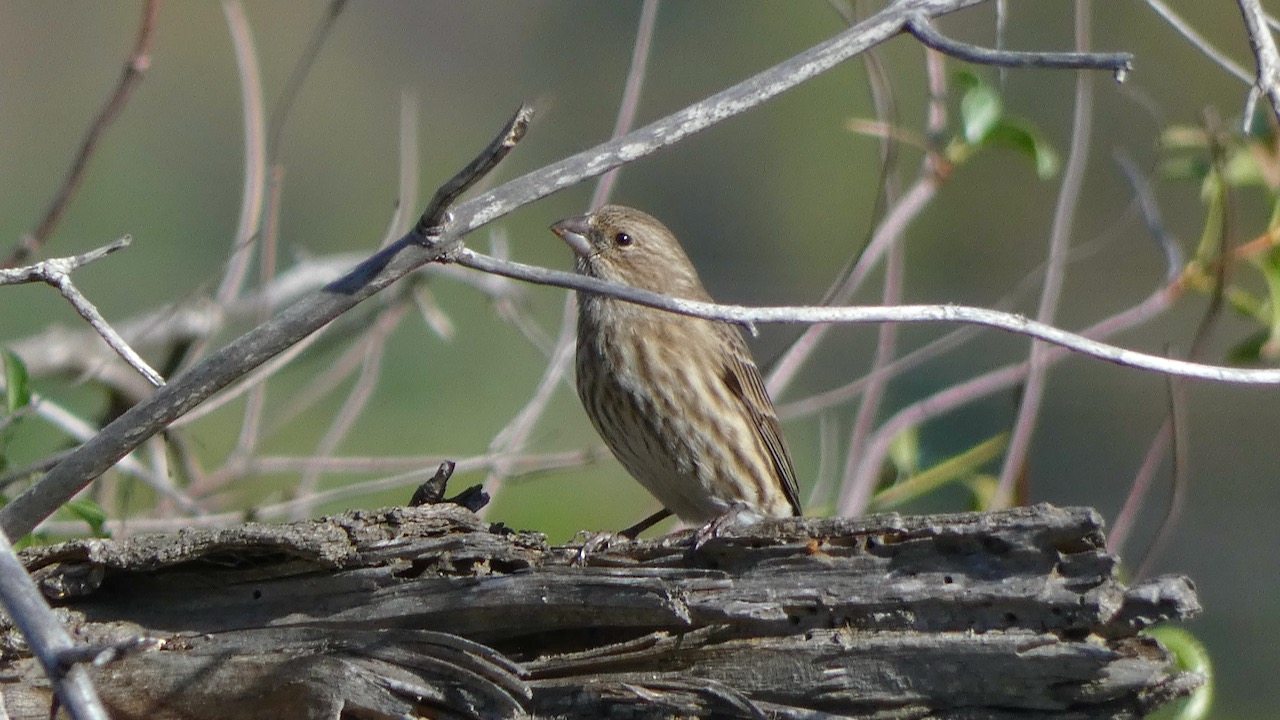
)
(677, 399)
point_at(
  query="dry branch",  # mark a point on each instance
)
(411, 611)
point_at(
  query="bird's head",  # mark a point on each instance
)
(625, 245)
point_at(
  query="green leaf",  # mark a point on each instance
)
(1269, 265)
(1249, 350)
(1242, 168)
(1190, 655)
(1022, 137)
(1184, 137)
(1185, 167)
(17, 393)
(984, 489)
(953, 469)
(980, 111)
(91, 513)
(904, 452)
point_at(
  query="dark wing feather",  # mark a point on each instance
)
(743, 379)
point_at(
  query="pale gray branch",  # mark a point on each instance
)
(57, 272)
(1267, 80)
(865, 314)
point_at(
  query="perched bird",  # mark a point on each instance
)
(677, 399)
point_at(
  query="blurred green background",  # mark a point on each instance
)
(769, 205)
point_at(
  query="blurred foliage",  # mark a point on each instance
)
(1225, 162)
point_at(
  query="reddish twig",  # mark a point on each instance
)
(137, 64)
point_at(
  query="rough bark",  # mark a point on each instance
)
(430, 611)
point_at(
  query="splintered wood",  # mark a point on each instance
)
(431, 612)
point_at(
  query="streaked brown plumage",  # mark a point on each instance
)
(677, 399)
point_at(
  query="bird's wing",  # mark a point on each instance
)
(744, 381)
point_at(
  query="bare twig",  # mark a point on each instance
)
(512, 437)
(858, 491)
(435, 215)
(255, 151)
(515, 434)
(375, 344)
(1203, 45)
(858, 314)
(134, 68)
(1150, 210)
(895, 223)
(426, 244)
(1177, 420)
(1264, 52)
(880, 375)
(1119, 63)
(407, 187)
(630, 93)
(1143, 479)
(1126, 519)
(57, 272)
(48, 640)
(280, 113)
(1055, 269)
(278, 334)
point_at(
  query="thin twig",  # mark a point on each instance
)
(407, 187)
(1204, 46)
(1127, 518)
(282, 332)
(57, 272)
(134, 68)
(255, 152)
(301, 70)
(879, 375)
(435, 215)
(828, 447)
(375, 345)
(420, 247)
(256, 402)
(858, 314)
(858, 491)
(512, 437)
(890, 231)
(48, 640)
(1181, 479)
(630, 94)
(1060, 236)
(1120, 63)
(1264, 52)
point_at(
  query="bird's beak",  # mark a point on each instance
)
(574, 232)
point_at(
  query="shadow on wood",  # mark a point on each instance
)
(429, 611)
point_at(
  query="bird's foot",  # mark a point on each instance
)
(737, 514)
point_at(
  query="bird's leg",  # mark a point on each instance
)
(634, 531)
(594, 542)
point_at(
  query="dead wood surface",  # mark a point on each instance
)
(430, 611)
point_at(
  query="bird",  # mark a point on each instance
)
(678, 400)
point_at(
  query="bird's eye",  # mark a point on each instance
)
(623, 239)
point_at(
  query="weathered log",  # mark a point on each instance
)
(431, 611)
